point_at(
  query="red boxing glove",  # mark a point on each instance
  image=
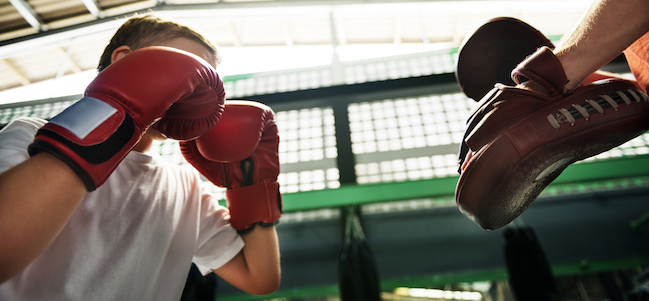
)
(517, 141)
(241, 154)
(93, 135)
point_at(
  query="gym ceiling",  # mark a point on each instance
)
(47, 39)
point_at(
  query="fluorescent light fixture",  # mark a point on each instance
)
(437, 293)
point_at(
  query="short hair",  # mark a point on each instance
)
(148, 30)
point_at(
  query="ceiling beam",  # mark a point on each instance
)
(236, 40)
(338, 34)
(29, 14)
(286, 29)
(20, 77)
(397, 29)
(424, 32)
(67, 61)
(93, 8)
(165, 6)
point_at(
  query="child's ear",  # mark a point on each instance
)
(119, 52)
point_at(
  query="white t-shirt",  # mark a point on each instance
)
(134, 238)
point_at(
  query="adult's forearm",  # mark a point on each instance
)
(605, 30)
(37, 198)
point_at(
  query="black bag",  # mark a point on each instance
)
(357, 275)
(530, 276)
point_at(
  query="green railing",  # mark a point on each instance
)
(596, 173)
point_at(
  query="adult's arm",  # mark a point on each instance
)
(604, 31)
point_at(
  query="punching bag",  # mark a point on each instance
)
(530, 276)
(357, 275)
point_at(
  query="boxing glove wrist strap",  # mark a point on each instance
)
(543, 68)
(91, 137)
(259, 203)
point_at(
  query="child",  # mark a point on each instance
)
(135, 236)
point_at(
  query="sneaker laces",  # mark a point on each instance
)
(593, 106)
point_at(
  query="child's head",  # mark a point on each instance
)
(150, 30)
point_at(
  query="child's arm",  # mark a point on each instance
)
(241, 154)
(256, 269)
(38, 197)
